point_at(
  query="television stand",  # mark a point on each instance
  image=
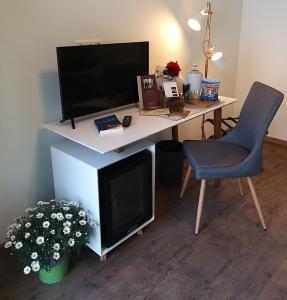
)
(72, 122)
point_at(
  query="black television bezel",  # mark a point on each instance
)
(65, 117)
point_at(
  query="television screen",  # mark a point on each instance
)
(95, 78)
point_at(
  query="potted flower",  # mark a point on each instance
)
(172, 69)
(44, 238)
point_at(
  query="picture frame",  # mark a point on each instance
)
(149, 95)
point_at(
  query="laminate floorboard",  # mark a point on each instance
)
(231, 258)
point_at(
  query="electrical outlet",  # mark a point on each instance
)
(88, 42)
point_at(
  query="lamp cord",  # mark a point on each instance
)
(207, 46)
(206, 50)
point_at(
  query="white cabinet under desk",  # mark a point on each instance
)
(127, 204)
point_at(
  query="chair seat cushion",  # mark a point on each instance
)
(215, 159)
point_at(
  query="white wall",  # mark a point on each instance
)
(262, 54)
(30, 31)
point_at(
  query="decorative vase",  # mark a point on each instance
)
(56, 274)
(194, 78)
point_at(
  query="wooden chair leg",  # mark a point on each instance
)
(255, 199)
(240, 187)
(103, 257)
(186, 178)
(200, 204)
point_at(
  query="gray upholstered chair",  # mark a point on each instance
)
(239, 153)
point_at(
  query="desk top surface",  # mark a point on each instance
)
(141, 127)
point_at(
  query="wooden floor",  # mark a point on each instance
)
(231, 258)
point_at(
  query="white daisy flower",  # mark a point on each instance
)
(18, 245)
(46, 224)
(35, 266)
(56, 255)
(14, 225)
(78, 234)
(10, 227)
(27, 270)
(34, 255)
(9, 232)
(93, 224)
(40, 215)
(56, 246)
(30, 209)
(66, 208)
(68, 216)
(81, 213)
(40, 240)
(28, 224)
(83, 222)
(71, 242)
(60, 216)
(18, 226)
(40, 203)
(27, 234)
(52, 231)
(76, 204)
(12, 237)
(53, 216)
(66, 230)
(8, 244)
(67, 224)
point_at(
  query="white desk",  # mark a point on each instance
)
(141, 127)
(75, 168)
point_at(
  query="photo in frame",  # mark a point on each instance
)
(149, 96)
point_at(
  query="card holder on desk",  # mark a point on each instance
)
(172, 96)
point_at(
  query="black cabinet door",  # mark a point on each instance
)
(125, 196)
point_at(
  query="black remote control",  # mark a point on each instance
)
(127, 121)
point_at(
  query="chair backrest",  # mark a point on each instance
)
(256, 115)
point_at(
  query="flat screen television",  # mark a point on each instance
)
(95, 78)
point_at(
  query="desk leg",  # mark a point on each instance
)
(217, 131)
(217, 122)
(174, 130)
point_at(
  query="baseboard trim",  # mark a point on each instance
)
(272, 140)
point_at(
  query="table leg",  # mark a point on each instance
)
(174, 130)
(217, 122)
(217, 131)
